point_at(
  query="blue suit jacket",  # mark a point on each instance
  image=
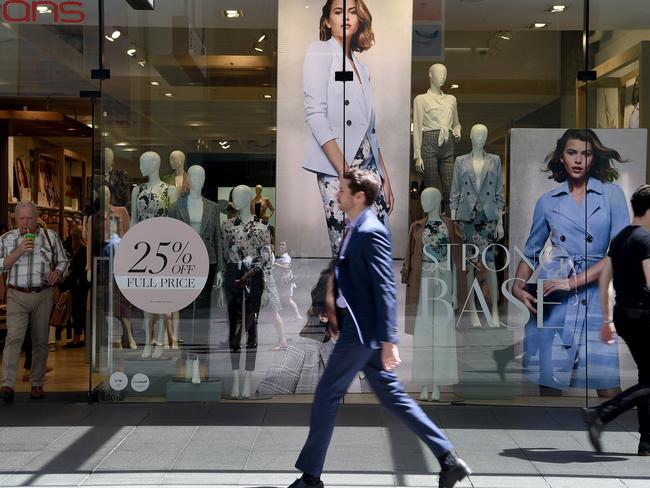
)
(365, 278)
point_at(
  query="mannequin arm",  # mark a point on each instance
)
(219, 279)
(500, 231)
(417, 131)
(134, 206)
(455, 128)
(172, 193)
(454, 192)
(269, 205)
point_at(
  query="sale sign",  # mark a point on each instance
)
(161, 265)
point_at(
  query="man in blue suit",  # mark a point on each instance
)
(364, 292)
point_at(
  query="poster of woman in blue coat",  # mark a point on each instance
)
(571, 228)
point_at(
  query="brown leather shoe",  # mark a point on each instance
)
(7, 394)
(37, 393)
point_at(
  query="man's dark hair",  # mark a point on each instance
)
(641, 200)
(365, 181)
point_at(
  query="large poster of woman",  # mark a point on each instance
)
(326, 126)
(48, 182)
(569, 196)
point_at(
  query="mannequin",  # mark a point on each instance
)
(116, 224)
(247, 247)
(260, 204)
(435, 129)
(178, 177)
(479, 215)
(149, 200)
(203, 216)
(116, 179)
(434, 342)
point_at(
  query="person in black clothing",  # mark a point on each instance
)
(628, 264)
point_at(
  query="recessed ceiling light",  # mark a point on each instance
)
(557, 9)
(505, 35)
(154, 83)
(223, 143)
(43, 9)
(227, 146)
(262, 37)
(105, 134)
(122, 144)
(454, 87)
(169, 95)
(114, 35)
(538, 25)
(258, 49)
(232, 14)
(131, 52)
(194, 124)
(267, 96)
(142, 62)
(130, 149)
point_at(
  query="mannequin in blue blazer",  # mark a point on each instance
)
(580, 217)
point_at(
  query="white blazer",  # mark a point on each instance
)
(464, 195)
(324, 106)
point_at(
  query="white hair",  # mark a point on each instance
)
(28, 204)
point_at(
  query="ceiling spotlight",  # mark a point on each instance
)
(555, 9)
(154, 83)
(258, 48)
(454, 87)
(142, 62)
(224, 143)
(538, 25)
(43, 9)
(262, 37)
(130, 149)
(114, 35)
(227, 146)
(122, 144)
(232, 14)
(169, 95)
(131, 52)
(267, 96)
(505, 35)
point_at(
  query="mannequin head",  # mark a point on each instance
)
(430, 199)
(196, 177)
(437, 75)
(478, 136)
(177, 160)
(109, 160)
(258, 191)
(149, 163)
(241, 197)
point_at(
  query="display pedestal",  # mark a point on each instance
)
(479, 376)
(186, 391)
(159, 371)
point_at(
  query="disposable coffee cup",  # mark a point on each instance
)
(29, 235)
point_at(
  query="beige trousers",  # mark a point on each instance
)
(24, 309)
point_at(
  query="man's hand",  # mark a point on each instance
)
(26, 245)
(389, 356)
(52, 278)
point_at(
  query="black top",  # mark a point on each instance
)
(627, 250)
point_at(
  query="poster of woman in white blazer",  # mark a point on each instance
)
(342, 119)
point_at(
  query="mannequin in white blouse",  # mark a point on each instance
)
(434, 110)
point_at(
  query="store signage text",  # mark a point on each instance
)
(23, 11)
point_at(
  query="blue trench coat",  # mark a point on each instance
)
(567, 348)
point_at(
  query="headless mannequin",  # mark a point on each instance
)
(264, 204)
(436, 111)
(150, 168)
(478, 137)
(430, 200)
(113, 227)
(109, 163)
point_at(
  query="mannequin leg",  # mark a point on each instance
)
(471, 301)
(435, 393)
(196, 373)
(279, 330)
(424, 393)
(167, 339)
(189, 369)
(493, 288)
(128, 328)
(235, 384)
(176, 324)
(158, 348)
(246, 391)
(148, 324)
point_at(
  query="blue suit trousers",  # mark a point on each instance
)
(348, 358)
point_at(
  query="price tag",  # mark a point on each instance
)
(161, 265)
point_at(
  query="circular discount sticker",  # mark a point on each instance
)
(161, 265)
